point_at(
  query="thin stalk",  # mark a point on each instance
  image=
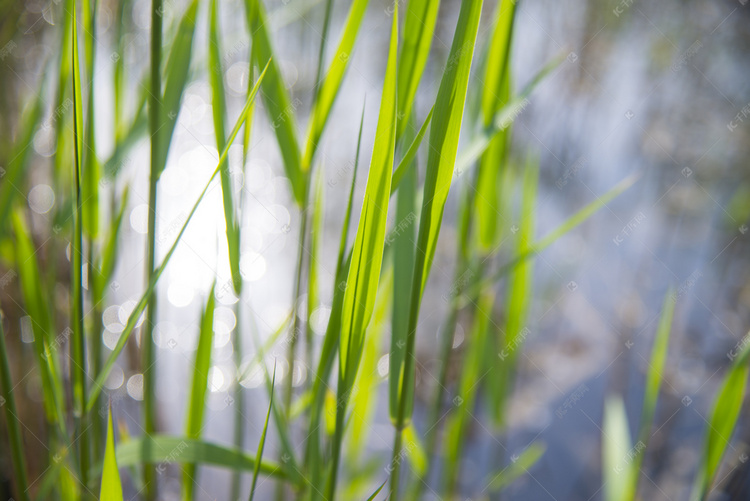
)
(239, 401)
(11, 420)
(342, 402)
(321, 49)
(147, 343)
(77, 346)
(292, 346)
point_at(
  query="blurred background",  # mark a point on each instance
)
(661, 89)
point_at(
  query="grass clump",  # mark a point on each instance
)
(320, 431)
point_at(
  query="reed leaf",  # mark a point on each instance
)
(330, 86)
(419, 26)
(724, 415)
(279, 106)
(197, 402)
(166, 449)
(367, 254)
(111, 489)
(216, 78)
(443, 144)
(262, 443)
(12, 421)
(617, 447)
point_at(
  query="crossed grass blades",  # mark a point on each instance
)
(379, 278)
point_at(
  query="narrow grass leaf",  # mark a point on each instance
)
(78, 341)
(365, 394)
(197, 400)
(562, 229)
(111, 489)
(36, 303)
(108, 255)
(519, 294)
(465, 399)
(20, 154)
(519, 465)
(443, 144)
(334, 76)
(367, 255)
(181, 450)
(262, 443)
(417, 455)
(331, 338)
(407, 162)
(403, 270)
(12, 421)
(655, 373)
(377, 491)
(279, 106)
(654, 379)
(216, 78)
(177, 76)
(419, 27)
(503, 119)
(616, 449)
(721, 424)
(496, 93)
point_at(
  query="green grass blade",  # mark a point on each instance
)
(365, 396)
(419, 26)
(443, 144)
(180, 450)
(417, 454)
(331, 338)
(377, 491)
(158, 156)
(467, 392)
(134, 131)
(518, 295)
(12, 422)
(334, 76)
(141, 305)
(108, 257)
(407, 162)
(496, 93)
(403, 270)
(262, 443)
(316, 237)
(78, 342)
(111, 489)
(656, 365)
(91, 168)
(216, 78)
(21, 153)
(367, 254)
(278, 104)
(518, 467)
(562, 229)
(280, 420)
(502, 120)
(653, 384)
(36, 302)
(721, 424)
(197, 402)
(617, 447)
(177, 76)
